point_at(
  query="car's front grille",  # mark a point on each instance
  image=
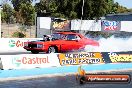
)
(32, 45)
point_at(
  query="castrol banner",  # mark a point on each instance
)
(14, 44)
(28, 61)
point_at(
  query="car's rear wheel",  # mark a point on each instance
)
(52, 50)
(34, 52)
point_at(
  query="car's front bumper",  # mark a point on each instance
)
(36, 49)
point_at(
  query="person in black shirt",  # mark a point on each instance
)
(46, 38)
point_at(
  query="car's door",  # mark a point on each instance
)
(71, 43)
(79, 42)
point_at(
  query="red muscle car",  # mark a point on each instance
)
(60, 42)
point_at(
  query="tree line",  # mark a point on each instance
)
(23, 11)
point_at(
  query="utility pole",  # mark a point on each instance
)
(82, 16)
(36, 24)
(0, 22)
(82, 9)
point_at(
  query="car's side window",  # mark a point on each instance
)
(73, 37)
(63, 37)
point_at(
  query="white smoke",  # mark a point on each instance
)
(112, 44)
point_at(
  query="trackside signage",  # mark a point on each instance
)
(17, 43)
(26, 61)
(110, 25)
(18, 61)
(80, 58)
(14, 44)
(116, 57)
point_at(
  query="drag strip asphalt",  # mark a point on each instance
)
(59, 77)
(63, 81)
(62, 70)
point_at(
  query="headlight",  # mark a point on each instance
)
(39, 45)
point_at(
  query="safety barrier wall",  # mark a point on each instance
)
(80, 58)
(95, 58)
(27, 61)
(14, 44)
(117, 57)
(101, 25)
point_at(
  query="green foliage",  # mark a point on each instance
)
(18, 35)
(53, 6)
(72, 9)
(94, 9)
(24, 11)
(3, 16)
(27, 12)
(17, 3)
(23, 28)
(119, 9)
(110, 8)
(41, 6)
(7, 13)
(72, 15)
(130, 10)
(58, 15)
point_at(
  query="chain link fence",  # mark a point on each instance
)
(7, 30)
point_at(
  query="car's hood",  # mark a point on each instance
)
(41, 41)
(37, 41)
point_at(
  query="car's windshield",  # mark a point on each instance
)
(65, 36)
(57, 36)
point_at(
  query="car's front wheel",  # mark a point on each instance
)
(34, 52)
(52, 50)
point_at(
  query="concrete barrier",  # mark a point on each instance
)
(94, 58)
(14, 44)
(28, 61)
